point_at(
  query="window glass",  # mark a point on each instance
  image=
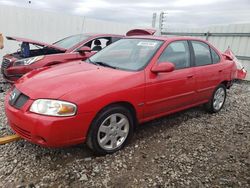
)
(104, 42)
(127, 54)
(215, 56)
(176, 53)
(202, 53)
(101, 44)
(71, 41)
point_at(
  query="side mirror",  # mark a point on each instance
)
(84, 49)
(163, 67)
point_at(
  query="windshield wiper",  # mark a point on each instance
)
(100, 63)
(103, 64)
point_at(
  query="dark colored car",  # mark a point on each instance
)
(101, 100)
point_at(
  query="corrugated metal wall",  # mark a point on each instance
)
(240, 45)
(49, 26)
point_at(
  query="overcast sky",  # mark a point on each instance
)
(191, 13)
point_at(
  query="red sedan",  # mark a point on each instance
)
(76, 47)
(71, 48)
(134, 80)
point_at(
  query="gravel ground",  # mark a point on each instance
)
(188, 149)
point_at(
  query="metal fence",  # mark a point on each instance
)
(236, 36)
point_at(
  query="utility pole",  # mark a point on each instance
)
(154, 19)
(162, 21)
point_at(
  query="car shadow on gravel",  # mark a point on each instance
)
(168, 122)
(58, 155)
(144, 131)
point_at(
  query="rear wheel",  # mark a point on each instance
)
(111, 130)
(218, 99)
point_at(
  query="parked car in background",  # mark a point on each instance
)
(34, 54)
(134, 80)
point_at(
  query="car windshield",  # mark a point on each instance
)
(71, 41)
(127, 54)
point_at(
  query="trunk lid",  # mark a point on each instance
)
(135, 32)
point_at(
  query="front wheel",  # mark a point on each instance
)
(218, 99)
(110, 130)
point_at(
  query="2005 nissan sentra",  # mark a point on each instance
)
(102, 100)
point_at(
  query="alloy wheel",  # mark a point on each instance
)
(219, 98)
(113, 131)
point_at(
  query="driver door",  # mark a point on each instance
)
(168, 92)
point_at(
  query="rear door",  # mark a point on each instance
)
(166, 92)
(208, 69)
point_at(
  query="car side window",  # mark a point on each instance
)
(100, 43)
(201, 53)
(176, 53)
(215, 56)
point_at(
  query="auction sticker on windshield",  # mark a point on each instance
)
(147, 44)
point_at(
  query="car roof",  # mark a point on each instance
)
(102, 35)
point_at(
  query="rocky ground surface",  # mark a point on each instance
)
(188, 149)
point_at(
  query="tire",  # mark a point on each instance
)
(217, 100)
(111, 130)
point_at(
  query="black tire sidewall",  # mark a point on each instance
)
(92, 140)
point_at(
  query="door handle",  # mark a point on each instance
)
(190, 76)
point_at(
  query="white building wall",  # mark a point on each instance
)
(49, 26)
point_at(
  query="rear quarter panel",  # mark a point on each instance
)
(229, 70)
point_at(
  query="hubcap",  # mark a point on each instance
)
(219, 98)
(113, 131)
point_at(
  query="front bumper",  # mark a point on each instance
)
(46, 130)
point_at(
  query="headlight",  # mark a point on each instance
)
(53, 107)
(28, 61)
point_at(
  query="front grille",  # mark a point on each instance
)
(5, 63)
(22, 132)
(17, 99)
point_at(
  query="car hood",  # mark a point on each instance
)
(55, 82)
(43, 44)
